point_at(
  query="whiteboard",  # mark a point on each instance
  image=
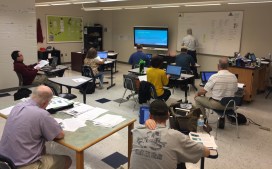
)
(17, 32)
(218, 33)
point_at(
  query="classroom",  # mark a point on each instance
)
(18, 31)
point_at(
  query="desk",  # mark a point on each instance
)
(58, 71)
(185, 79)
(110, 62)
(136, 71)
(70, 83)
(77, 60)
(89, 135)
(254, 79)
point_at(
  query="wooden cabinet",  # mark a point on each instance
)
(255, 79)
(77, 60)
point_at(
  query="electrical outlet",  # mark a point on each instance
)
(65, 54)
(61, 55)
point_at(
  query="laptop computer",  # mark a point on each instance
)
(102, 55)
(205, 76)
(52, 66)
(174, 71)
(149, 55)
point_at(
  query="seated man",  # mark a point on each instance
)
(158, 78)
(163, 147)
(135, 58)
(28, 73)
(221, 84)
(27, 129)
(184, 60)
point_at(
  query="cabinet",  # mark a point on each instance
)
(77, 60)
(44, 55)
(253, 78)
(93, 37)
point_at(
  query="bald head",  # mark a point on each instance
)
(42, 95)
(223, 63)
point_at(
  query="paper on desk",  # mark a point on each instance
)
(204, 139)
(91, 114)
(80, 109)
(264, 62)
(6, 111)
(72, 124)
(142, 78)
(186, 75)
(79, 80)
(57, 102)
(241, 85)
(108, 120)
(41, 64)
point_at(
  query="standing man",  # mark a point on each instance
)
(191, 43)
(222, 84)
(163, 147)
(135, 58)
(27, 129)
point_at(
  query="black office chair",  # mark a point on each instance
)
(230, 110)
(90, 86)
(6, 163)
(130, 84)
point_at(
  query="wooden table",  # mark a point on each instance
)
(87, 136)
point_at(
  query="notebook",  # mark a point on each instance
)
(102, 55)
(205, 75)
(174, 71)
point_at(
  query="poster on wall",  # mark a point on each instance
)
(61, 29)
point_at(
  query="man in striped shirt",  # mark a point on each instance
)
(222, 84)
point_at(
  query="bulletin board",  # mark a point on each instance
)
(218, 33)
(61, 29)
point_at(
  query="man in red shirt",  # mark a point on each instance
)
(29, 74)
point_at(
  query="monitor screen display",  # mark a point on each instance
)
(156, 37)
(102, 55)
(252, 57)
(173, 70)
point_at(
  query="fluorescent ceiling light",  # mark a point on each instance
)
(110, 0)
(55, 4)
(84, 2)
(42, 5)
(168, 6)
(91, 9)
(202, 5)
(250, 2)
(143, 7)
(110, 9)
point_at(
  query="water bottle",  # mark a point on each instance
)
(200, 124)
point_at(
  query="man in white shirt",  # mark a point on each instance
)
(191, 43)
(221, 84)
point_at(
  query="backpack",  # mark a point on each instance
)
(240, 118)
(22, 93)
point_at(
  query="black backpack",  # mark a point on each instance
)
(240, 117)
(22, 93)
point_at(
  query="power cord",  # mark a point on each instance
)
(260, 126)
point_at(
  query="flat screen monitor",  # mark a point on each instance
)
(252, 57)
(154, 37)
(149, 55)
(102, 55)
(173, 70)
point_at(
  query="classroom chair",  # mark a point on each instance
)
(6, 163)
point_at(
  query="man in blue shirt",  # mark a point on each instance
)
(137, 56)
(184, 60)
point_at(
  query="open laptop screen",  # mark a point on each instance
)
(102, 55)
(149, 55)
(205, 75)
(173, 70)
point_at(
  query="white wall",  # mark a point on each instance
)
(17, 32)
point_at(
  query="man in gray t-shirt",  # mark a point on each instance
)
(163, 147)
(27, 129)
